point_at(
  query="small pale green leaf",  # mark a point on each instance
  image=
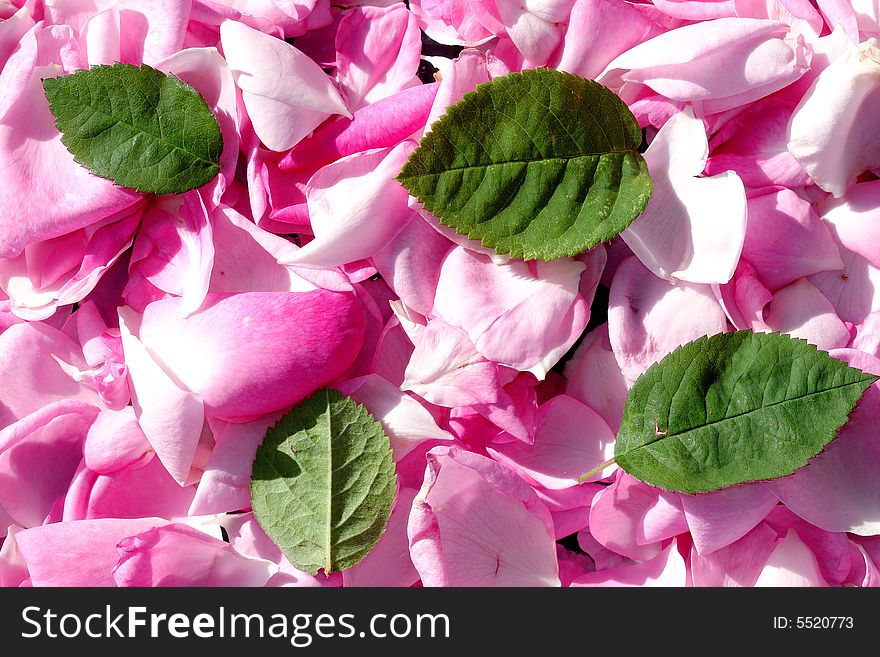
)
(539, 164)
(137, 126)
(323, 483)
(733, 408)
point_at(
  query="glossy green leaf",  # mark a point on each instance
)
(733, 408)
(539, 164)
(137, 126)
(323, 483)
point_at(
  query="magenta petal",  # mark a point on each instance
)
(115, 440)
(569, 507)
(475, 523)
(802, 311)
(382, 124)
(175, 249)
(514, 410)
(744, 298)
(250, 354)
(65, 269)
(594, 377)
(286, 94)
(451, 21)
(693, 228)
(754, 145)
(600, 30)
(648, 317)
(225, 484)
(39, 455)
(572, 565)
(178, 555)
(356, 207)
(791, 564)
(832, 550)
(722, 63)
(170, 417)
(786, 240)
(570, 439)
(536, 28)
(246, 257)
(854, 219)
(851, 289)
(523, 315)
(867, 337)
(411, 263)
(737, 564)
(149, 31)
(601, 556)
(839, 490)
(840, 12)
(13, 569)
(378, 52)
(12, 29)
(141, 490)
(79, 553)
(32, 374)
(446, 369)
(870, 577)
(833, 131)
(718, 519)
(617, 514)
(389, 563)
(44, 193)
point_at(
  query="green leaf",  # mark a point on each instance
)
(733, 408)
(137, 126)
(323, 483)
(538, 164)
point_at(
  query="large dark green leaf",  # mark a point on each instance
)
(733, 408)
(323, 483)
(137, 126)
(538, 164)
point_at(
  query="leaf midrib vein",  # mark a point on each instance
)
(533, 161)
(749, 412)
(328, 560)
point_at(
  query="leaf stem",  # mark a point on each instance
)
(596, 470)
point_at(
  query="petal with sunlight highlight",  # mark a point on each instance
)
(253, 353)
(286, 94)
(693, 228)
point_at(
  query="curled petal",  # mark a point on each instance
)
(286, 94)
(178, 555)
(833, 132)
(78, 553)
(475, 523)
(722, 63)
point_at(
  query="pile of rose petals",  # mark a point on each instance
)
(146, 343)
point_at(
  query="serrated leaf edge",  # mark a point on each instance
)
(360, 407)
(215, 166)
(515, 253)
(870, 380)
